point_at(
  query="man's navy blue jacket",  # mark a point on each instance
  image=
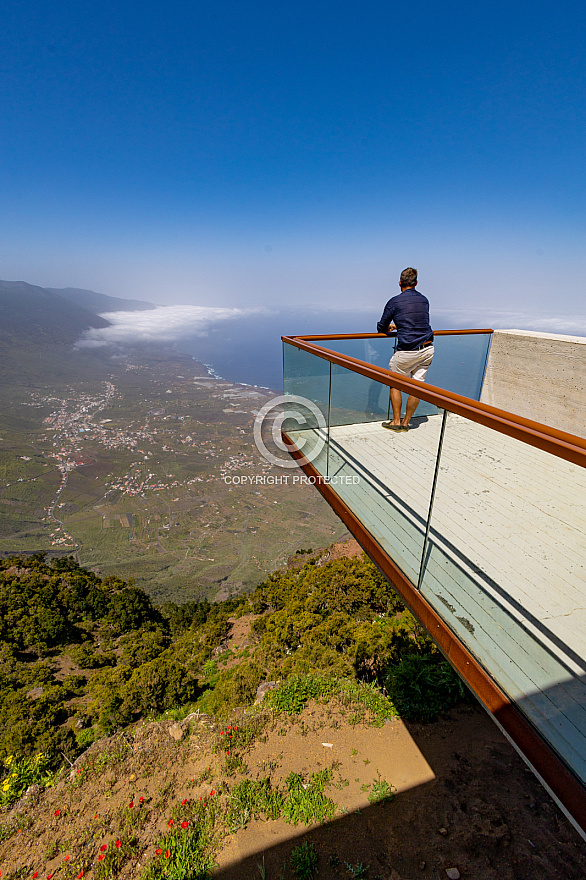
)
(409, 310)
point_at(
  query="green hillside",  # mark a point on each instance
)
(82, 657)
(132, 746)
(33, 316)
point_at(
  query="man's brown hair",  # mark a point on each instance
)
(408, 278)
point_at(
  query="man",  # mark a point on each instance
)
(408, 313)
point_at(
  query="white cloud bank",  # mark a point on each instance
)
(167, 324)
(499, 319)
(163, 324)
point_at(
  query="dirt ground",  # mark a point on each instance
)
(463, 800)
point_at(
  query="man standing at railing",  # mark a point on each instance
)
(408, 313)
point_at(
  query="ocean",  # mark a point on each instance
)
(248, 349)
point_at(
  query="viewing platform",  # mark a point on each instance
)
(476, 514)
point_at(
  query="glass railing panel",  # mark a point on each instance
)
(306, 375)
(385, 477)
(306, 383)
(458, 365)
(504, 568)
(357, 399)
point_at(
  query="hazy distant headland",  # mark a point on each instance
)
(98, 303)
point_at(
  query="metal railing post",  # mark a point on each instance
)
(435, 476)
(328, 425)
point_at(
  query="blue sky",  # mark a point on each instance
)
(224, 154)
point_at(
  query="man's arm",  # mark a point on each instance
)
(385, 325)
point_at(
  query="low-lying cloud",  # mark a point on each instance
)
(168, 324)
(498, 319)
(163, 324)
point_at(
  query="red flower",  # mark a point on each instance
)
(101, 857)
(184, 824)
(80, 875)
(130, 805)
(49, 877)
(229, 727)
(96, 816)
(235, 728)
(167, 854)
(57, 813)
(141, 800)
(36, 874)
(228, 752)
(158, 852)
(118, 844)
(184, 801)
(221, 733)
(170, 823)
(212, 793)
(66, 858)
(104, 847)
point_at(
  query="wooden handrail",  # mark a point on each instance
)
(384, 335)
(551, 440)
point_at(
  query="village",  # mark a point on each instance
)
(73, 430)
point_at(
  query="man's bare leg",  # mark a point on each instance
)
(412, 404)
(396, 400)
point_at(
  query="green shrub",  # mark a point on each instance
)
(155, 686)
(28, 725)
(421, 687)
(293, 694)
(232, 687)
(143, 645)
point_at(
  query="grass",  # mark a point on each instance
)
(358, 871)
(253, 799)
(293, 694)
(381, 791)
(306, 803)
(304, 860)
(302, 802)
(186, 851)
(115, 858)
(196, 826)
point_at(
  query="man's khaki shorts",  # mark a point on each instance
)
(413, 364)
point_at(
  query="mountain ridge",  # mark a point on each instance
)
(38, 317)
(98, 303)
(32, 314)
